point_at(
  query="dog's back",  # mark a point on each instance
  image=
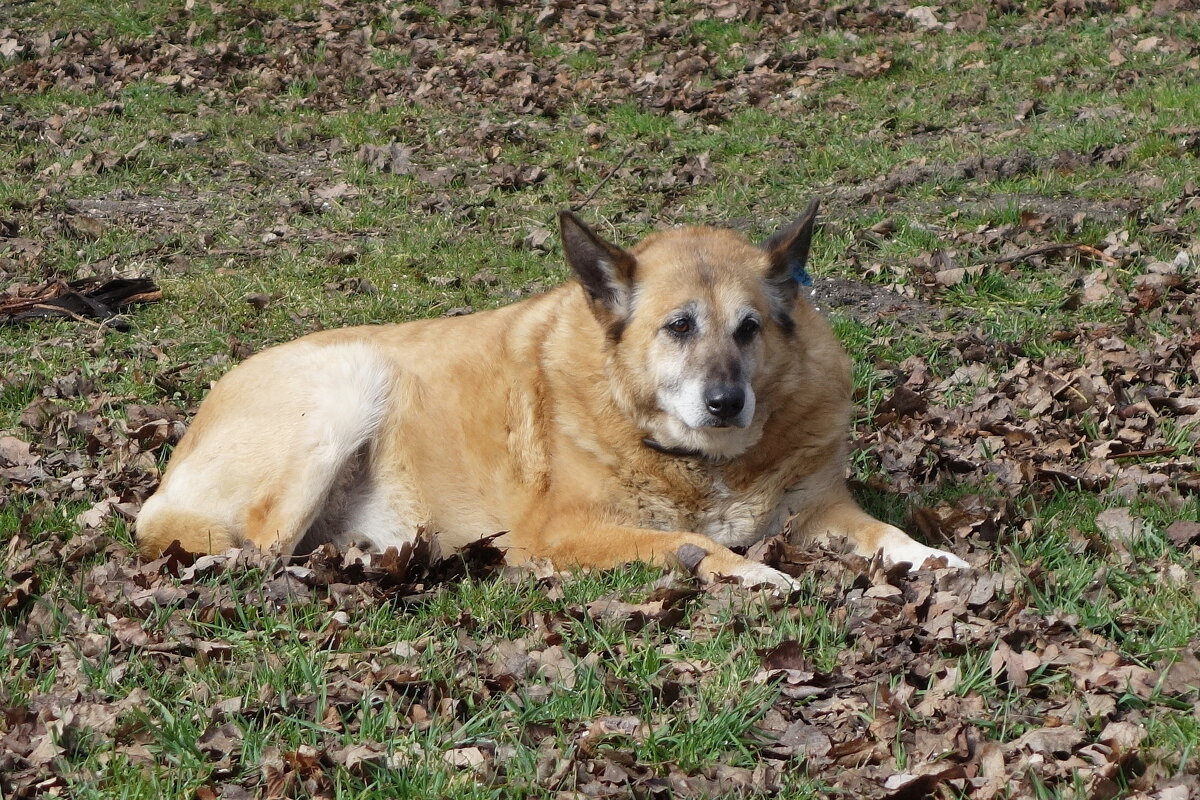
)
(368, 432)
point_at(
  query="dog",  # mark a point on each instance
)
(676, 400)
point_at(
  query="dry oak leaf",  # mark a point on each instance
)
(1059, 742)
(1183, 677)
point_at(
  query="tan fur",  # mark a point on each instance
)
(530, 419)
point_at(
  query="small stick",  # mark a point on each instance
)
(620, 163)
(1157, 451)
(1033, 251)
(69, 313)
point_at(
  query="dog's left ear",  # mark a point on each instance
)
(605, 270)
(788, 251)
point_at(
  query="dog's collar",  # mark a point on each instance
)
(678, 452)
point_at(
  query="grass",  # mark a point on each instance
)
(238, 219)
(273, 654)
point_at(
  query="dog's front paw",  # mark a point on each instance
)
(751, 573)
(898, 546)
(711, 567)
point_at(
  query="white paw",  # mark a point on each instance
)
(898, 546)
(751, 573)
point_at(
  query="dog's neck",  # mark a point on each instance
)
(677, 452)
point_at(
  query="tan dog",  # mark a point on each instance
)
(681, 393)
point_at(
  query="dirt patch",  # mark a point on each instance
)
(140, 210)
(976, 168)
(868, 303)
(1058, 211)
(878, 190)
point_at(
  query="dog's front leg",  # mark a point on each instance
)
(575, 540)
(843, 518)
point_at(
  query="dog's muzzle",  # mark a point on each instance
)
(725, 402)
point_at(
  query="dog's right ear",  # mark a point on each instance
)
(605, 270)
(788, 251)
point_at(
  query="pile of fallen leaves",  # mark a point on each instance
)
(94, 454)
(466, 50)
(1118, 413)
(900, 690)
(537, 64)
(898, 693)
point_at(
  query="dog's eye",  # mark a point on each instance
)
(680, 326)
(747, 330)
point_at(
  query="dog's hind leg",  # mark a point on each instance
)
(382, 512)
(328, 449)
(275, 438)
(158, 526)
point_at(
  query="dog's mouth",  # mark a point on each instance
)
(714, 439)
(711, 422)
(721, 427)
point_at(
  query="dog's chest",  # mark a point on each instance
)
(728, 516)
(733, 518)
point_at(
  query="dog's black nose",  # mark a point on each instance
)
(725, 401)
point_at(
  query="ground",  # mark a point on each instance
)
(1009, 250)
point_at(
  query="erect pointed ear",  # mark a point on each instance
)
(788, 251)
(605, 270)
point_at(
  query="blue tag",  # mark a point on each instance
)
(800, 275)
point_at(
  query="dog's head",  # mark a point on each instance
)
(698, 321)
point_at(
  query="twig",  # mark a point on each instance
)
(68, 313)
(620, 163)
(1157, 451)
(1031, 252)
